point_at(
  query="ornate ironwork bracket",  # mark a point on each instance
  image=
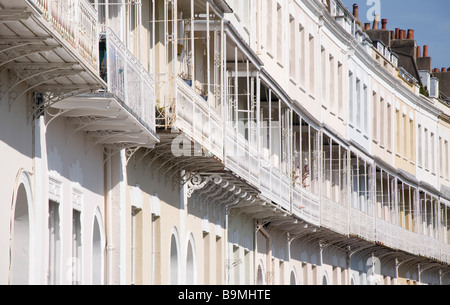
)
(197, 182)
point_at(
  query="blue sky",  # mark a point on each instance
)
(430, 20)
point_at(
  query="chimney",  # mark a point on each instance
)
(367, 26)
(356, 11)
(410, 34)
(425, 51)
(384, 24)
(376, 20)
(419, 54)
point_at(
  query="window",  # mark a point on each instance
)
(302, 58)
(20, 251)
(332, 91)
(293, 45)
(97, 254)
(446, 161)
(419, 146)
(399, 131)
(411, 140)
(389, 127)
(293, 278)
(358, 103)
(375, 116)
(54, 244)
(280, 33)
(269, 25)
(441, 162)
(366, 110)
(191, 264)
(340, 90)
(360, 184)
(426, 155)
(352, 101)
(433, 154)
(324, 76)
(174, 273)
(311, 65)
(135, 244)
(406, 135)
(76, 248)
(260, 276)
(382, 122)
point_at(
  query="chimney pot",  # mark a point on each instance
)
(397, 33)
(392, 35)
(376, 20)
(425, 51)
(367, 26)
(419, 54)
(444, 70)
(410, 34)
(384, 24)
(436, 70)
(356, 11)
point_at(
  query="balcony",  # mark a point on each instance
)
(275, 185)
(241, 157)
(334, 216)
(200, 121)
(307, 207)
(362, 224)
(122, 115)
(50, 47)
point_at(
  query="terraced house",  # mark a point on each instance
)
(219, 142)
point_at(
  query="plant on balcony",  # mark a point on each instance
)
(300, 178)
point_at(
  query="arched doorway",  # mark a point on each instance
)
(20, 233)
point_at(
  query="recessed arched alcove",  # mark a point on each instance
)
(20, 232)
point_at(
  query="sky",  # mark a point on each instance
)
(430, 20)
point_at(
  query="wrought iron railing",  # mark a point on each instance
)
(198, 119)
(76, 22)
(129, 81)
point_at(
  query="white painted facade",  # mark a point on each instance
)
(249, 142)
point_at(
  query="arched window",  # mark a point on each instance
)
(20, 239)
(97, 252)
(293, 280)
(260, 275)
(191, 276)
(174, 257)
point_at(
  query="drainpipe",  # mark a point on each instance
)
(228, 207)
(153, 249)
